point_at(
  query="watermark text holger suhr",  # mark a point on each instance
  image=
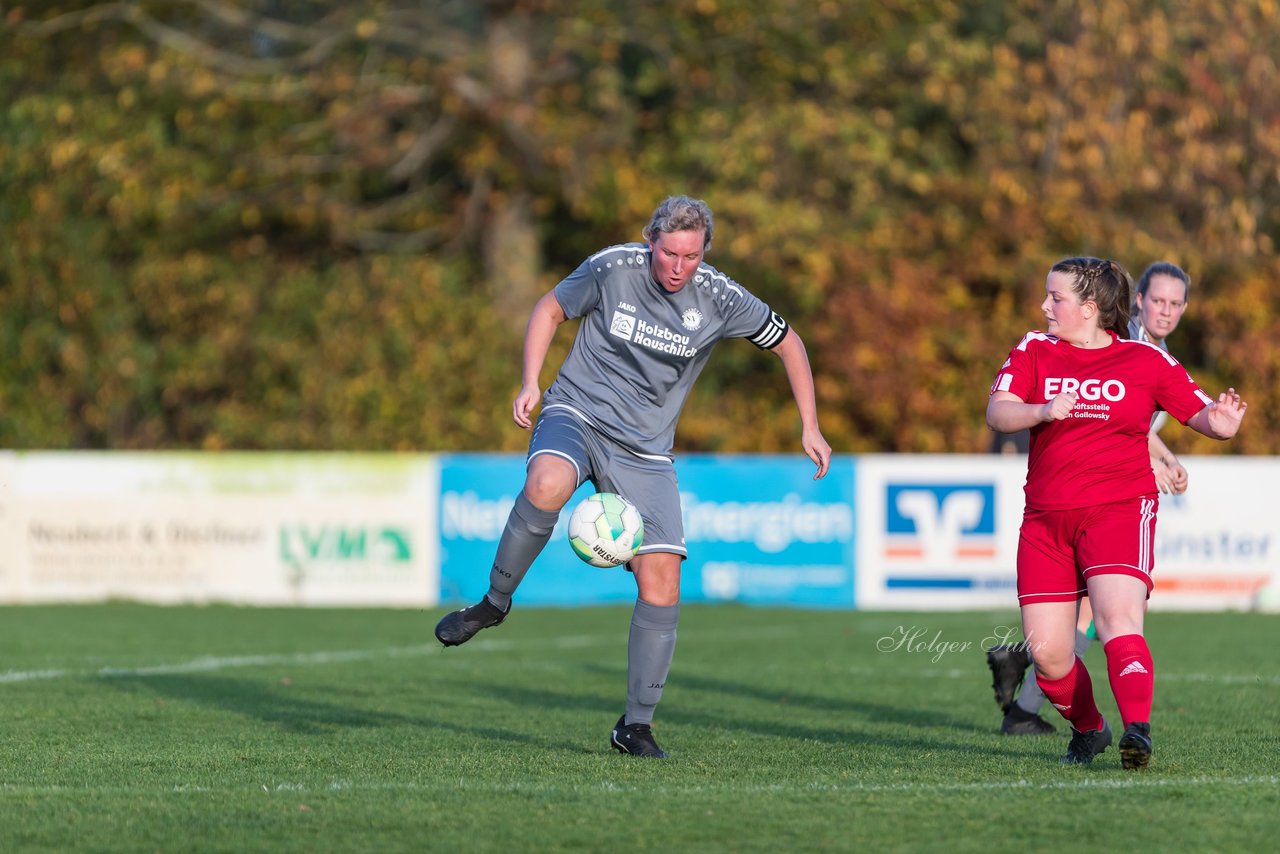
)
(918, 639)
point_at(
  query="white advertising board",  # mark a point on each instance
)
(937, 532)
(941, 532)
(265, 529)
(8, 534)
(1218, 544)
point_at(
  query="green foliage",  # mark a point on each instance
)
(301, 225)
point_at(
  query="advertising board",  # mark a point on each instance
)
(270, 529)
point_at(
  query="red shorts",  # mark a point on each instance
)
(1059, 549)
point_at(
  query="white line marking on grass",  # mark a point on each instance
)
(343, 786)
(782, 788)
(1126, 782)
(32, 675)
(1161, 676)
(1222, 678)
(208, 663)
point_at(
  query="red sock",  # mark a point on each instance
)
(1073, 696)
(1132, 674)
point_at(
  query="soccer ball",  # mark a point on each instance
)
(1267, 599)
(605, 529)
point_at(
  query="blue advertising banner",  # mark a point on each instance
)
(759, 529)
(477, 492)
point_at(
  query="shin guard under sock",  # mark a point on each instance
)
(1132, 675)
(1072, 695)
(528, 529)
(650, 649)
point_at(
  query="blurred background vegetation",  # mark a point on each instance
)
(285, 224)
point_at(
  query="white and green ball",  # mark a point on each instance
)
(605, 530)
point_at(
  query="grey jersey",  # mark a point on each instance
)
(639, 348)
(1138, 332)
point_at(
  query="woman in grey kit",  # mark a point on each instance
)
(651, 314)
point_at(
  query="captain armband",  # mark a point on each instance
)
(771, 334)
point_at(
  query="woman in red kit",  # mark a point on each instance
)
(1088, 393)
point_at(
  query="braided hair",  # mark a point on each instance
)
(1106, 283)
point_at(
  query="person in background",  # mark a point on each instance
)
(1160, 299)
(651, 314)
(1088, 393)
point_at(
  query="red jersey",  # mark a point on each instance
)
(1097, 454)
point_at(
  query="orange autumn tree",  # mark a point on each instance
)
(301, 225)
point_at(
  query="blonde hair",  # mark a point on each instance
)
(681, 213)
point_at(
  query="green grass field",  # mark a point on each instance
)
(125, 727)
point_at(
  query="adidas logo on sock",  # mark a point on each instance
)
(1134, 667)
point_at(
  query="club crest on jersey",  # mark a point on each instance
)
(692, 319)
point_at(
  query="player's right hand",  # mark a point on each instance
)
(525, 402)
(1060, 407)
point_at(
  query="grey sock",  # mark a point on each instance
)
(1030, 698)
(527, 532)
(649, 652)
(1082, 644)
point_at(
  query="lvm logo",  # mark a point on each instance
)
(302, 545)
(940, 521)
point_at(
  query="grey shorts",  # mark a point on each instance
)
(649, 484)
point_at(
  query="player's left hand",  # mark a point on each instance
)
(1226, 413)
(818, 450)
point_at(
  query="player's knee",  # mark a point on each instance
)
(657, 578)
(1053, 662)
(549, 488)
(1117, 625)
